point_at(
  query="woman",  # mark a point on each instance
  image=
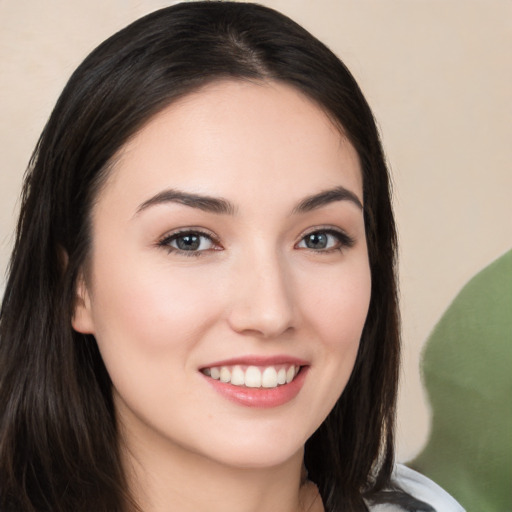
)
(201, 306)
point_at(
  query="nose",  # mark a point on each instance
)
(262, 300)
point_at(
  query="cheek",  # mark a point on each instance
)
(147, 326)
(336, 312)
(151, 310)
(337, 306)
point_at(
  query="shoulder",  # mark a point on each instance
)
(427, 495)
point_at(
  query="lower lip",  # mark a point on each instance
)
(264, 398)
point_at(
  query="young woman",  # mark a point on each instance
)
(201, 309)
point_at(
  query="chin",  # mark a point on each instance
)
(254, 458)
(252, 451)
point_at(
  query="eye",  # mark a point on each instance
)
(191, 242)
(325, 240)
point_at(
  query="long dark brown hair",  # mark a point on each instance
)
(59, 447)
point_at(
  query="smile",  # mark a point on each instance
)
(254, 376)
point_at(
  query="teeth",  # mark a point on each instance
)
(269, 377)
(253, 376)
(237, 376)
(225, 374)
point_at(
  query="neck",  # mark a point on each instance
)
(164, 477)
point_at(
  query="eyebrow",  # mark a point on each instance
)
(324, 198)
(222, 206)
(201, 202)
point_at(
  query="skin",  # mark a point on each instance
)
(160, 315)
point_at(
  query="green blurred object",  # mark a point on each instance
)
(467, 370)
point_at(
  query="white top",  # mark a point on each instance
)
(421, 488)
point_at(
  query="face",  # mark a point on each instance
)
(228, 282)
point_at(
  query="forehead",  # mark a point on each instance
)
(253, 134)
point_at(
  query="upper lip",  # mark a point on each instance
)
(255, 360)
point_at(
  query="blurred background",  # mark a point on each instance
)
(438, 76)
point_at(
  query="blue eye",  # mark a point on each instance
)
(192, 242)
(325, 240)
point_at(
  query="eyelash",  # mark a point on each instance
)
(168, 239)
(343, 241)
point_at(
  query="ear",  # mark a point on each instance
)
(82, 320)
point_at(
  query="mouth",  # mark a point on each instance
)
(252, 376)
(258, 381)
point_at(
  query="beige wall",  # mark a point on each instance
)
(438, 75)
